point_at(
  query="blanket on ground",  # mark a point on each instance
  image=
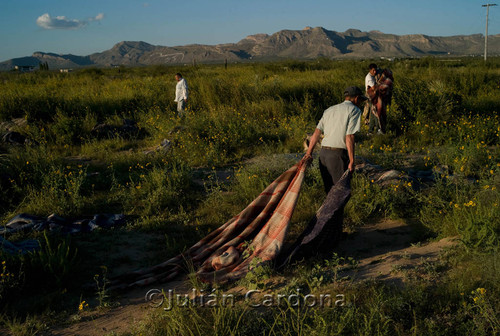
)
(22, 247)
(254, 235)
(27, 222)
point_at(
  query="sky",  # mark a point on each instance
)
(86, 26)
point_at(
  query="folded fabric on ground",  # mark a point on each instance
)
(256, 234)
(325, 227)
(21, 247)
(27, 222)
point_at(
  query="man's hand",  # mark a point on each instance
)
(351, 166)
(349, 141)
(312, 143)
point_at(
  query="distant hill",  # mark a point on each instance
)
(308, 43)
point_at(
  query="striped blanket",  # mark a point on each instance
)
(256, 234)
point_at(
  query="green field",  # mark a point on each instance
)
(444, 121)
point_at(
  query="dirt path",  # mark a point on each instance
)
(131, 310)
(387, 251)
(384, 252)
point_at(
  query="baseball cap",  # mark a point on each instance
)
(354, 91)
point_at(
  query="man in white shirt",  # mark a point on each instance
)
(370, 84)
(370, 80)
(338, 124)
(181, 94)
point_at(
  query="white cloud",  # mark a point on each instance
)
(98, 17)
(61, 22)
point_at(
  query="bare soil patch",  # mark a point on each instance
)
(385, 251)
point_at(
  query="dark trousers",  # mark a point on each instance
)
(374, 124)
(332, 164)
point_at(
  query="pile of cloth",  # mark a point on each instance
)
(16, 138)
(255, 236)
(26, 222)
(23, 247)
(128, 130)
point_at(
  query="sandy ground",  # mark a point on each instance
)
(384, 252)
(131, 310)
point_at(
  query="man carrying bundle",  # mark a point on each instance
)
(378, 85)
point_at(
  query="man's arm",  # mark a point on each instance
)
(312, 142)
(185, 91)
(349, 141)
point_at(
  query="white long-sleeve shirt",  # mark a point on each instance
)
(181, 90)
(369, 81)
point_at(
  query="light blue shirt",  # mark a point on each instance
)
(337, 122)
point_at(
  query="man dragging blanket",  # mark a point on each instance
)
(338, 124)
(257, 234)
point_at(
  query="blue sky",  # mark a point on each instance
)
(87, 26)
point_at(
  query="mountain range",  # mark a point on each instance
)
(308, 43)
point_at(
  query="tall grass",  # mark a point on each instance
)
(443, 119)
